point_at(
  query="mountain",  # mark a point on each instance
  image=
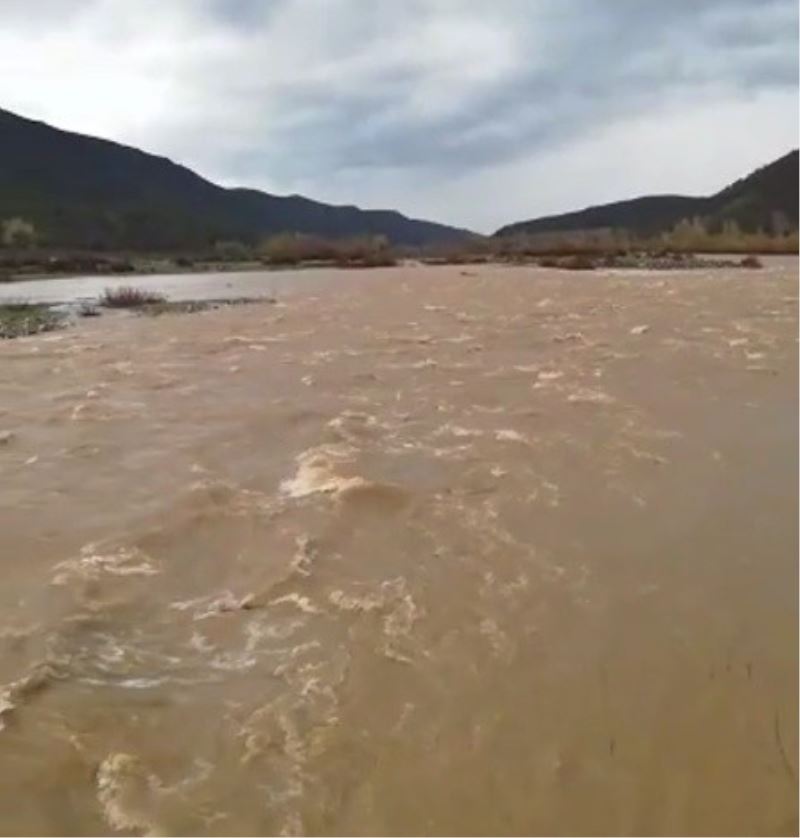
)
(765, 199)
(81, 191)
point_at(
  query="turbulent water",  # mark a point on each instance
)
(429, 551)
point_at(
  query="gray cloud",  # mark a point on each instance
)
(410, 96)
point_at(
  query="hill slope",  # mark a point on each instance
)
(751, 202)
(82, 191)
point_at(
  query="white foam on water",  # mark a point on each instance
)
(211, 606)
(302, 602)
(550, 375)
(547, 492)
(457, 430)
(35, 680)
(141, 683)
(498, 639)
(233, 661)
(393, 600)
(352, 426)
(133, 799)
(126, 793)
(303, 559)
(293, 728)
(426, 363)
(356, 602)
(15, 633)
(6, 706)
(509, 435)
(401, 619)
(266, 628)
(200, 643)
(392, 595)
(588, 396)
(570, 337)
(405, 714)
(317, 472)
(644, 455)
(91, 564)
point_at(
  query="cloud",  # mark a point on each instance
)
(431, 106)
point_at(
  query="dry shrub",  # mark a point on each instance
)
(751, 262)
(689, 236)
(693, 236)
(298, 248)
(469, 250)
(128, 297)
(573, 262)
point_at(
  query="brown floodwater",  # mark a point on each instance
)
(424, 551)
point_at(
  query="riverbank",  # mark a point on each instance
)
(22, 269)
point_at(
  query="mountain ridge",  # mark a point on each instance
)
(751, 202)
(84, 191)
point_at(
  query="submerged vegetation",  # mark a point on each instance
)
(194, 306)
(154, 304)
(20, 319)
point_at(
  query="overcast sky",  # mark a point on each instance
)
(470, 113)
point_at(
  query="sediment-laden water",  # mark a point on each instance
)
(432, 551)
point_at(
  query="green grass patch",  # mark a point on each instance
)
(20, 319)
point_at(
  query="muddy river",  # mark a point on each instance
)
(416, 551)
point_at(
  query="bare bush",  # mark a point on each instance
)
(128, 297)
(751, 262)
(688, 236)
(297, 249)
(572, 262)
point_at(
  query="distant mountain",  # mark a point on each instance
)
(85, 192)
(765, 199)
